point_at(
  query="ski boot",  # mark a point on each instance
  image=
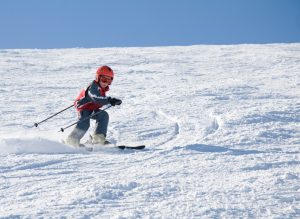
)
(73, 141)
(99, 139)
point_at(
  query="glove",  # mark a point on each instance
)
(114, 101)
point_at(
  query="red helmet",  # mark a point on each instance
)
(104, 71)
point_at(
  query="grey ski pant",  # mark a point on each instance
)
(81, 128)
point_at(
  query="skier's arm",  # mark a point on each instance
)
(94, 95)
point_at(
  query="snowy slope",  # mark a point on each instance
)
(221, 125)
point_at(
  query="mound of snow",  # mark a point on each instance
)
(33, 145)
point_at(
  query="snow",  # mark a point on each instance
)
(221, 125)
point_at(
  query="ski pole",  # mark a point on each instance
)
(37, 123)
(75, 123)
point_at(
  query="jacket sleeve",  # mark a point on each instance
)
(95, 96)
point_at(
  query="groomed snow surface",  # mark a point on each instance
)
(221, 125)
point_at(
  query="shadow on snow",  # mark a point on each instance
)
(219, 149)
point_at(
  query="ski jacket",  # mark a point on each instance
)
(92, 98)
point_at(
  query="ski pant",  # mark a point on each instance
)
(81, 128)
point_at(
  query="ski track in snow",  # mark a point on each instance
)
(221, 125)
(176, 131)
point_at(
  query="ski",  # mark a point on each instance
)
(89, 145)
(139, 147)
(122, 147)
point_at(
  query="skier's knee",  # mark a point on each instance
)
(103, 116)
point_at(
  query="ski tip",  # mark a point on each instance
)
(140, 147)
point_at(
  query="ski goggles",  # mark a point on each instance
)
(106, 80)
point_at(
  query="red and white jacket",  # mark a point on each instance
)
(92, 98)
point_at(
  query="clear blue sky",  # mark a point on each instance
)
(108, 23)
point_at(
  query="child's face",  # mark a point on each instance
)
(105, 81)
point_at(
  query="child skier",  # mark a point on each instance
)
(89, 101)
